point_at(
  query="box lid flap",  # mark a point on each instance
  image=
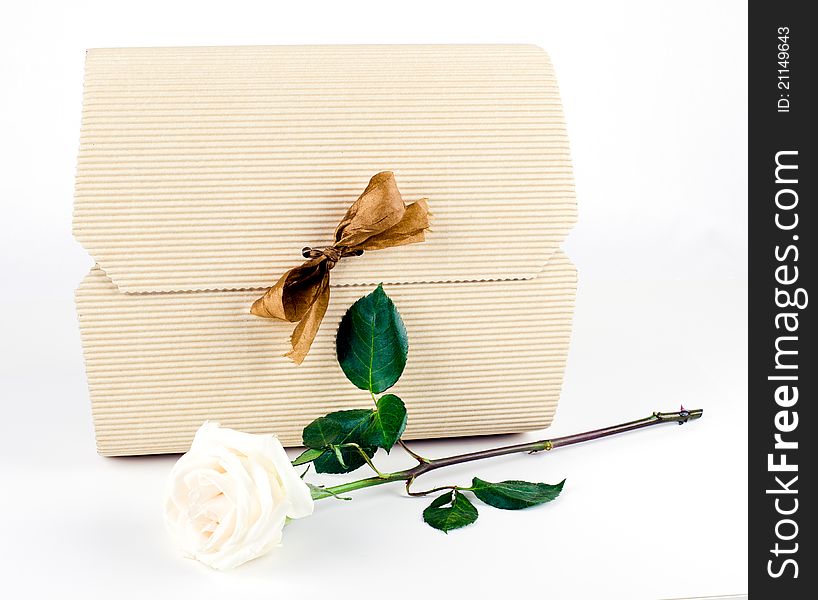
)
(211, 168)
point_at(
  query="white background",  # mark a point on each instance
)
(656, 106)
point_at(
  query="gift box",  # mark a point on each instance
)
(203, 172)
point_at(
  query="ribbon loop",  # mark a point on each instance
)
(377, 219)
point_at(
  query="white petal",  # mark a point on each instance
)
(238, 555)
(298, 493)
(229, 496)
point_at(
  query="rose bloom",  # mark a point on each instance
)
(230, 496)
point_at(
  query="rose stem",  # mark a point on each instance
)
(424, 466)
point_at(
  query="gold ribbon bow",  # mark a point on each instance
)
(377, 219)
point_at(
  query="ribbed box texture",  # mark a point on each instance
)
(202, 173)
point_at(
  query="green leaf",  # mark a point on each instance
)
(387, 423)
(352, 425)
(322, 432)
(351, 459)
(371, 344)
(352, 422)
(514, 495)
(309, 455)
(450, 511)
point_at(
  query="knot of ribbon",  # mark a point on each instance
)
(377, 219)
(332, 253)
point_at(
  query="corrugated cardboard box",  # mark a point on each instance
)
(202, 174)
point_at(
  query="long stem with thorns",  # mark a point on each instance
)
(430, 464)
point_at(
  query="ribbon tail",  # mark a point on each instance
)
(271, 304)
(307, 328)
(294, 292)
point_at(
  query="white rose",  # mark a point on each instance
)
(230, 496)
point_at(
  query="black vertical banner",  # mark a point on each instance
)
(782, 362)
